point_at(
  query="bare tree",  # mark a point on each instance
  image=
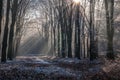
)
(5, 35)
(109, 7)
(1, 11)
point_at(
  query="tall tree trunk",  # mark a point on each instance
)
(1, 10)
(10, 54)
(77, 33)
(63, 38)
(92, 31)
(58, 41)
(12, 27)
(63, 42)
(69, 32)
(5, 35)
(109, 6)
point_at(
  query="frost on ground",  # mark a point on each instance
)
(34, 68)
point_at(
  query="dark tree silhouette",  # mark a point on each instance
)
(5, 36)
(1, 11)
(109, 7)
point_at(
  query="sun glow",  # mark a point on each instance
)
(76, 1)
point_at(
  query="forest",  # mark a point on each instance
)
(59, 39)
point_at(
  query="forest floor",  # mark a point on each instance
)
(49, 68)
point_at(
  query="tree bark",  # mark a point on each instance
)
(1, 10)
(10, 54)
(92, 31)
(109, 6)
(5, 35)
